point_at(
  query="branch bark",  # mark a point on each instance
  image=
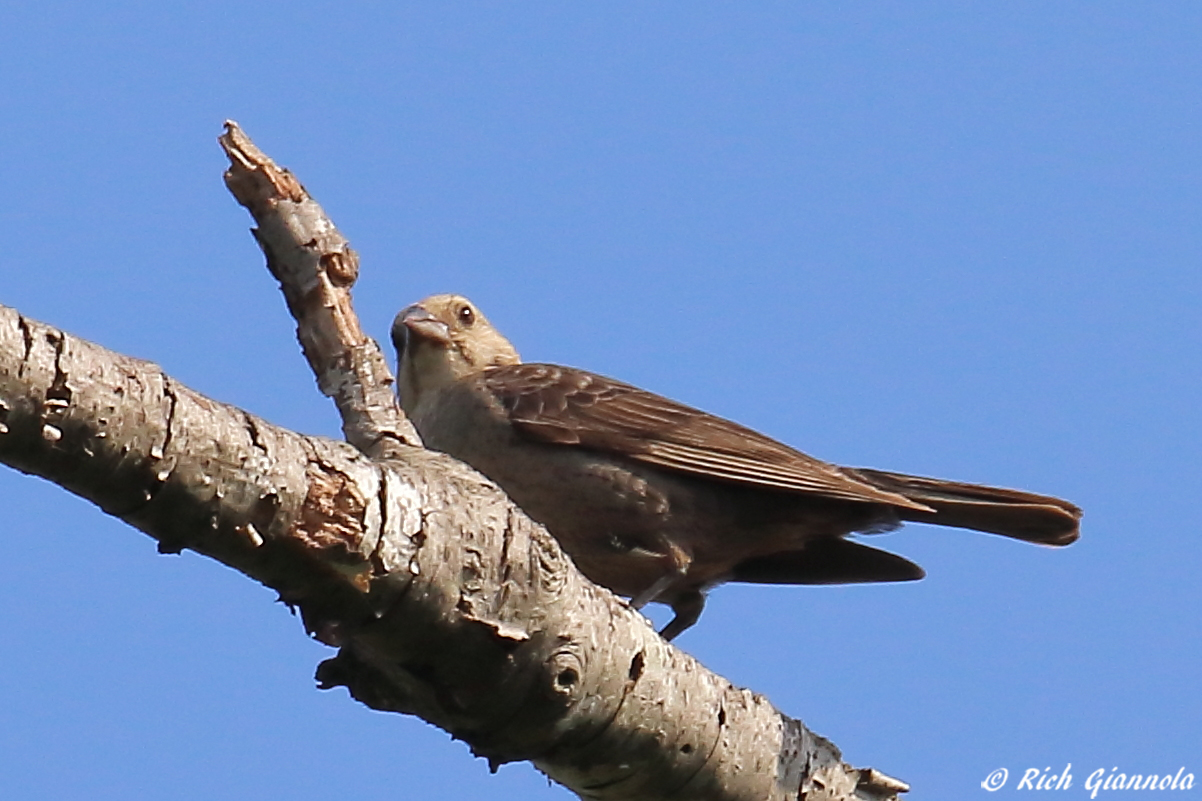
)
(443, 598)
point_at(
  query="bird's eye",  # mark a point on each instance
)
(466, 316)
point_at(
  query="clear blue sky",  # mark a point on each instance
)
(963, 242)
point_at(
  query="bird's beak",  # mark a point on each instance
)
(420, 323)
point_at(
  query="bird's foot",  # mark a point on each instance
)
(688, 608)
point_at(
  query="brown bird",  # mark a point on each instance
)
(659, 501)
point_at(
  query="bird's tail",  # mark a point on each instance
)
(1011, 513)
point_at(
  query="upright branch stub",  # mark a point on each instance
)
(316, 269)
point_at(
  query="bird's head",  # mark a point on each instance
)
(443, 339)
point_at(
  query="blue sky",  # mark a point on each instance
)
(950, 240)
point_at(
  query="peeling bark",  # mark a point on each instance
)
(316, 268)
(443, 598)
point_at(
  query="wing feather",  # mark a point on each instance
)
(565, 406)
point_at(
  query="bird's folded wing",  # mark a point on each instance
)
(565, 406)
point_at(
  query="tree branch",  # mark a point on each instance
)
(444, 599)
(316, 268)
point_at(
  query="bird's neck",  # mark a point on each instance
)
(425, 372)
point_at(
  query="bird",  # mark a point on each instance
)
(659, 501)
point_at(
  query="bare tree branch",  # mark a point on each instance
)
(316, 268)
(444, 599)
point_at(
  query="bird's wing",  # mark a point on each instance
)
(566, 406)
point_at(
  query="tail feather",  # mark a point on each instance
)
(827, 561)
(1011, 513)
